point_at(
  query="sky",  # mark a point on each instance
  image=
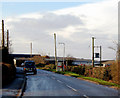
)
(75, 23)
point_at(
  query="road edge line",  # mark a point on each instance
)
(71, 88)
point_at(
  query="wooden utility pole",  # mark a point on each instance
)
(31, 49)
(93, 51)
(55, 52)
(3, 41)
(8, 39)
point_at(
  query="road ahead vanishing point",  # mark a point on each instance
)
(47, 83)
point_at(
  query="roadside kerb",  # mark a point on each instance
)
(22, 88)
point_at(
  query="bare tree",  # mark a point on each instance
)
(10, 47)
(116, 49)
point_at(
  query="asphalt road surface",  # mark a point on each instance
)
(46, 83)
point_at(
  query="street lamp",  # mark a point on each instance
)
(63, 54)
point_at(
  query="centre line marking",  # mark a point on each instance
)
(85, 96)
(59, 81)
(71, 88)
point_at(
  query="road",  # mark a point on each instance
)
(46, 83)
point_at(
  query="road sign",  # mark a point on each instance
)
(96, 55)
(59, 66)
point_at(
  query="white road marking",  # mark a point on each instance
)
(85, 96)
(71, 88)
(59, 81)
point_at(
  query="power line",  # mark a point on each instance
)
(105, 38)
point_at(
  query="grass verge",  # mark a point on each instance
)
(102, 82)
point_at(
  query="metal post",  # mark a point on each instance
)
(3, 34)
(55, 52)
(8, 39)
(31, 49)
(93, 51)
(63, 56)
(100, 55)
(67, 65)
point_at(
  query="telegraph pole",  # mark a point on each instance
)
(31, 49)
(55, 52)
(8, 39)
(3, 34)
(93, 51)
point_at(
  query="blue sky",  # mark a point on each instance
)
(17, 8)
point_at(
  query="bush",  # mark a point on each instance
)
(114, 72)
(76, 69)
(88, 71)
(8, 68)
(38, 59)
(60, 72)
(108, 73)
(81, 70)
(8, 73)
(50, 66)
(40, 65)
(104, 73)
(98, 72)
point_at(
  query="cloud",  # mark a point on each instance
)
(49, 22)
(75, 26)
(98, 16)
(25, 29)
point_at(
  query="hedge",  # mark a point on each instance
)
(108, 73)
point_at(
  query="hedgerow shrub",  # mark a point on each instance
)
(108, 73)
(40, 65)
(88, 71)
(98, 72)
(114, 72)
(8, 72)
(50, 66)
